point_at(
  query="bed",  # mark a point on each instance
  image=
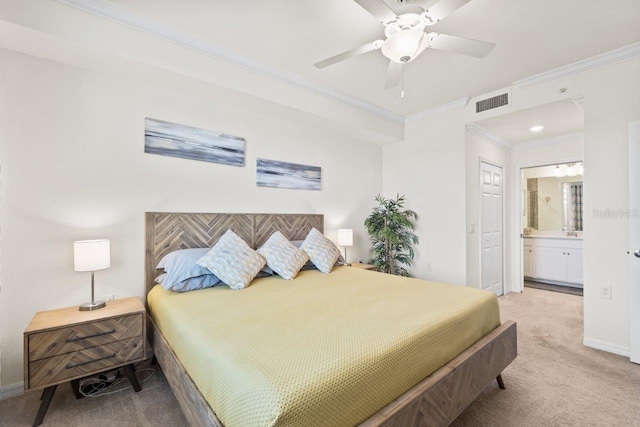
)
(351, 352)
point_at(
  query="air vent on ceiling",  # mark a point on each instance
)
(493, 102)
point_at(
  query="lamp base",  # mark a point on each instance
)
(87, 306)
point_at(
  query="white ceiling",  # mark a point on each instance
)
(531, 37)
(558, 118)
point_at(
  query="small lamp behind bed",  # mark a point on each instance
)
(91, 255)
(345, 238)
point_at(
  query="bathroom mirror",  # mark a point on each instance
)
(554, 203)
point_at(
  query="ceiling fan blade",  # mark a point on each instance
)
(349, 54)
(378, 9)
(460, 45)
(394, 75)
(443, 8)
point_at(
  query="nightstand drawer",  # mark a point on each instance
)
(82, 336)
(84, 362)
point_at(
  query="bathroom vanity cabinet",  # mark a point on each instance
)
(553, 259)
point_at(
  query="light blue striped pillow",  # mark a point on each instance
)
(321, 251)
(282, 256)
(233, 261)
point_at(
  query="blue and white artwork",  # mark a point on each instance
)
(272, 173)
(187, 142)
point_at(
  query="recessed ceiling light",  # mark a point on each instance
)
(537, 128)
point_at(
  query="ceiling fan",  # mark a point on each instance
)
(407, 36)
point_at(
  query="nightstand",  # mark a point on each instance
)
(67, 344)
(364, 266)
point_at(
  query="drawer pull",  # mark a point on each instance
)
(97, 334)
(90, 361)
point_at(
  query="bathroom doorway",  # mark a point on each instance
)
(552, 227)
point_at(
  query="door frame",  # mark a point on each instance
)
(516, 240)
(482, 160)
(634, 227)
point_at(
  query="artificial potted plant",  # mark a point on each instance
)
(390, 229)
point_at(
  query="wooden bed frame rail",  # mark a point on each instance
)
(435, 401)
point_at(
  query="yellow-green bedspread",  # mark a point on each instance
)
(319, 350)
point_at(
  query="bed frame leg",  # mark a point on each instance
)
(500, 382)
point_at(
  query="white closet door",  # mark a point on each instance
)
(491, 221)
(634, 239)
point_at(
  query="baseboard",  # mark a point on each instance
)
(12, 390)
(604, 346)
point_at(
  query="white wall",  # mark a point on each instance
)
(428, 167)
(611, 102)
(74, 167)
(479, 149)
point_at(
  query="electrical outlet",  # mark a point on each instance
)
(605, 292)
(428, 266)
(107, 297)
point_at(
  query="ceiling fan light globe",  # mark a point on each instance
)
(405, 46)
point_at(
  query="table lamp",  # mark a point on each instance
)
(345, 238)
(91, 255)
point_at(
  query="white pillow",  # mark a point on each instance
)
(282, 256)
(233, 261)
(321, 251)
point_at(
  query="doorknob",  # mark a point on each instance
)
(637, 253)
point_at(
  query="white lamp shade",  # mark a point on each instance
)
(345, 237)
(91, 255)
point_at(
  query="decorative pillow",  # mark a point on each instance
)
(191, 284)
(309, 265)
(233, 261)
(181, 265)
(282, 256)
(321, 251)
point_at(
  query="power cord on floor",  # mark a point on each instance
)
(103, 385)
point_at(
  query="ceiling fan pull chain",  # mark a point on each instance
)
(402, 81)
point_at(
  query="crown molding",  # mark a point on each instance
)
(574, 137)
(586, 65)
(490, 136)
(460, 103)
(122, 16)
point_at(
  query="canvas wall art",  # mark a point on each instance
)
(187, 142)
(272, 173)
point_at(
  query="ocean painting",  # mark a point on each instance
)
(272, 173)
(186, 142)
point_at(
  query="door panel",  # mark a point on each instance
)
(634, 239)
(574, 265)
(551, 263)
(528, 261)
(491, 224)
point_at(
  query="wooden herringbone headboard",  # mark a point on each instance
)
(168, 231)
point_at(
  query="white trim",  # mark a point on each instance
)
(604, 346)
(578, 101)
(490, 136)
(599, 61)
(574, 137)
(460, 103)
(12, 390)
(122, 16)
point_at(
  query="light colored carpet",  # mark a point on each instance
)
(555, 381)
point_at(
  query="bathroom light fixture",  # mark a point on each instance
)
(537, 129)
(581, 169)
(557, 172)
(571, 170)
